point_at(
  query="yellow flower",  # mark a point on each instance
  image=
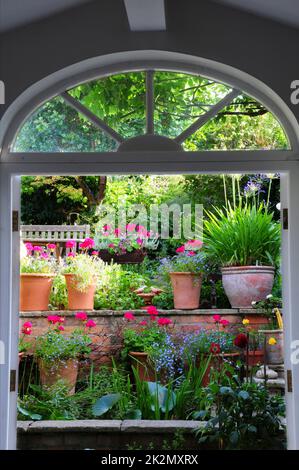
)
(245, 321)
(272, 341)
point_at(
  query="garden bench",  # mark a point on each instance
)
(58, 234)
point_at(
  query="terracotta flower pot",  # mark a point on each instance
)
(186, 290)
(255, 358)
(35, 291)
(62, 370)
(216, 362)
(274, 352)
(141, 362)
(79, 300)
(246, 284)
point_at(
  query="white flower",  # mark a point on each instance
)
(253, 302)
(269, 296)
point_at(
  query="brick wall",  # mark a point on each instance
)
(107, 335)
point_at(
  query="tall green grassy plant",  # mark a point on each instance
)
(242, 236)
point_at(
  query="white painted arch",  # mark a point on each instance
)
(101, 66)
(12, 165)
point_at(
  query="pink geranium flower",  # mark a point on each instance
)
(152, 310)
(37, 248)
(55, 319)
(81, 316)
(180, 249)
(87, 244)
(90, 324)
(71, 254)
(29, 247)
(143, 323)
(61, 328)
(117, 232)
(44, 256)
(163, 321)
(95, 253)
(51, 246)
(27, 328)
(111, 245)
(70, 244)
(191, 253)
(216, 318)
(139, 241)
(129, 316)
(130, 227)
(224, 322)
(106, 227)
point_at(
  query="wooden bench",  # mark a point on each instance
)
(58, 234)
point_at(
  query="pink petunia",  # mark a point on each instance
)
(81, 316)
(70, 244)
(152, 310)
(163, 321)
(90, 324)
(129, 316)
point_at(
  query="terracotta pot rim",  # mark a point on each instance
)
(37, 274)
(138, 353)
(228, 269)
(185, 273)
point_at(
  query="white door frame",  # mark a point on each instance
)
(13, 165)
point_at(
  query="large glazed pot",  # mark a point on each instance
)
(246, 284)
(35, 291)
(67, 371)
(77, 299)
(186, 290)
(274, 352)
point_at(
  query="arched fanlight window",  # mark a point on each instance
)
(151, 110)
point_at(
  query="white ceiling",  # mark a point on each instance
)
(284, 11)
(15, 13)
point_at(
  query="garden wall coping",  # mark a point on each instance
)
(119, 313)
(106, 425)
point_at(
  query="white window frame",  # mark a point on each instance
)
(13, 165)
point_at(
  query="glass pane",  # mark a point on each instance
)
(243, 125)
(56, 127)
(180, 99)
(118, 100)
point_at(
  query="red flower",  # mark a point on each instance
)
(224, 322)
(215, 348)
(143, 323)
(180, 249)
(61, 328)
(129, 316)
(241, 341)
(88, 243)
(55, 319)
(81, 316)
(164, 321)
(70, 244)
(152, 310)
(27, 328)
(90, 324)
(217, 318)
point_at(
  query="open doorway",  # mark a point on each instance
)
(141, 237)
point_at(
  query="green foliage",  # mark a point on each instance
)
(246, 417)
(53, 347)
(243, 236)
(142, 339)
(85, 268)
(58, 296)
(115, 288)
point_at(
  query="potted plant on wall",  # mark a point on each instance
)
(125, 246)
(81, 272)
(37, 270)
(245, 240)
(140, 339)
(185, 270)
(58, 354)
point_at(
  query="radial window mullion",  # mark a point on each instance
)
(150, 102)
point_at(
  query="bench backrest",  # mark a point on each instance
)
(54, 233)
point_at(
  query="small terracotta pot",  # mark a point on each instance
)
(274, 352)
(144, 368)
(79, 300)
(217, 361)
(186, 290)
(62, 370)
(35, 291)
(246, 284)
(255, 358)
